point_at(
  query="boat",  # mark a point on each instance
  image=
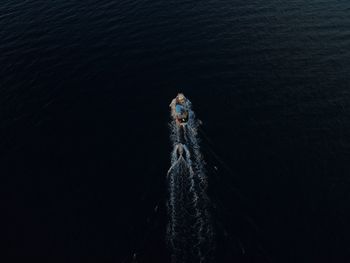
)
(179, 109)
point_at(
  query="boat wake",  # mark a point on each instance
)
(189, 231)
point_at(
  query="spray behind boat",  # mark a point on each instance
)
(189, 229)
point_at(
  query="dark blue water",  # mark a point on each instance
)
(84, 94)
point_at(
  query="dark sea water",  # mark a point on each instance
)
(84, 94)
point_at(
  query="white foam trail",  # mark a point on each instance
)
(189, 229)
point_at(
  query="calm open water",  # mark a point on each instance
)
(84, 94)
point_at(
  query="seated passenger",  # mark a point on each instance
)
(181, 113)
